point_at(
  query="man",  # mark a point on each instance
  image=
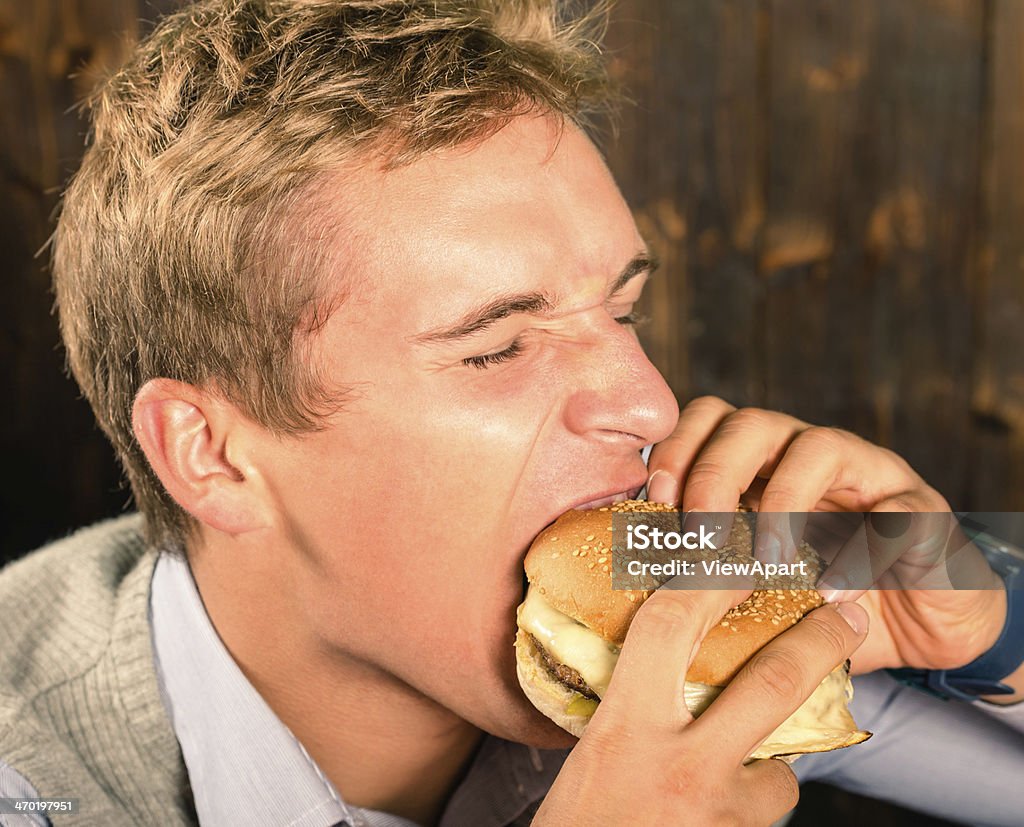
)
(352, 294)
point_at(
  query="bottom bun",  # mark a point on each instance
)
(566, 707)
(820, 724)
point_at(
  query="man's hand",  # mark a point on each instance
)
(780, 464)
(644, 760)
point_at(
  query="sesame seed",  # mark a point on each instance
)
(602, 560)
(632, 597)
(589, 537)
(590, 565)
(724, 623)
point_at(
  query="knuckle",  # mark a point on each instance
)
(923, 499)
(830, 636)
(709, 404)
(825, 438)
(750, 419)
(706, 471)
(778, 674)
(763, 419)
(898, 504)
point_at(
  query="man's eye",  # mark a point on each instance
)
(488, 359)
(631, 319)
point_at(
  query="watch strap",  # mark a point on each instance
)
(982, 675)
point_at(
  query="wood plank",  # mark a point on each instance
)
(915, 164)
(815, 347)
(997, 392)
(688, 160)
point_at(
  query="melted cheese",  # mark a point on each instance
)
(821, 722)
(569, 642)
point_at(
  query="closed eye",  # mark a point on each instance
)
(488, 359)
(632, 319)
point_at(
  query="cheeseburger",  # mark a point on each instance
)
(573, 623)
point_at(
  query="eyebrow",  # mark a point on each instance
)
(533, 303)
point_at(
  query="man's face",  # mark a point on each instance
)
(495, 387)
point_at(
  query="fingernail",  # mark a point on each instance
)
(662, 488)
(832, 591)
(854, 615)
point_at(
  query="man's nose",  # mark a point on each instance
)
(619, 395)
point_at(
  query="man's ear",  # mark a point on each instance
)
(196, 443)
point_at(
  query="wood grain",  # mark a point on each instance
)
(834, 189)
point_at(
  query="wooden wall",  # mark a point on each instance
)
(58, 470)
(834, 187)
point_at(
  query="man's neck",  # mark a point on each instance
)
(383, 745)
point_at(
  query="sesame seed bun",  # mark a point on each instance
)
(569, 568)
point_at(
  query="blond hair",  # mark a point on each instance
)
(186, 247)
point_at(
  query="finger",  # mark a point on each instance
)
(647, 685)
(820, 460)
(779, 678)
(671, 459)
(827, 531)
(903, 535)
(771, 790)
(748, 443)
(778, 535)
(718, 525)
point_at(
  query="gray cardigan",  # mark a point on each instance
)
(80, 709)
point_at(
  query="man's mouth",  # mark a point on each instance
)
(610, 499)
(597, 502)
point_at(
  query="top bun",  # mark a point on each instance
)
(570, 563)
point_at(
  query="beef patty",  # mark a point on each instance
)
(566, 675)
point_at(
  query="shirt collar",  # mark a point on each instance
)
(244, 764)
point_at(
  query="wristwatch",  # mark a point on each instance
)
(983, 675)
